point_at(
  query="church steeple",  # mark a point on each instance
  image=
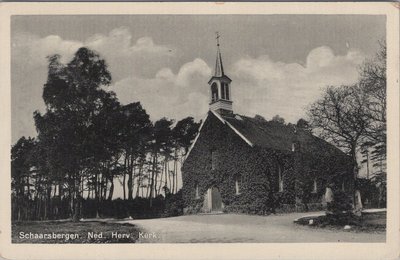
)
(219, 68)
(220, 100)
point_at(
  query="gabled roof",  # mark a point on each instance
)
(272, 135)
(222, 118)
(276, 136)
(224, 122)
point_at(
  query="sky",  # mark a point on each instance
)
(278, 64)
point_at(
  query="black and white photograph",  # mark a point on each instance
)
(198, 128)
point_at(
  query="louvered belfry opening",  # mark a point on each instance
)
(220, 100)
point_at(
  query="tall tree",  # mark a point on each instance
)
(184, 132)
(373, 83)
(74, 98)
(106, 146)
(161, 145)
(183, 135)
(340, 117)
(21, 175)
(135, 133)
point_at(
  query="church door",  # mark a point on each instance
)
(216, 200)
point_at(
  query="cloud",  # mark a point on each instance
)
(167, 94)
(260, 85)
(145, 71)
(263, 86)
(30, 50)
(125, 57)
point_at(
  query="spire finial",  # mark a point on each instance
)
(219, 69)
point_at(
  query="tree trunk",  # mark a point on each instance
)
(130, 178)
(124, 177)
(153, 172)
(353, 154)
(105, 182)
(173, 177)
(156, 181)
(161, 178)
(367, 165)
(139, 179)
(101, 187)
(88, 192)
(76, 198)
(170, 182)
(96, 195)
(176, 177)
(175, 172)
(47, 202)
(110, 194)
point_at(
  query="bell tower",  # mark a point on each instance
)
(220, 87)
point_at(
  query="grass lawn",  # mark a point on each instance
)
(61, 232)
(370, 223)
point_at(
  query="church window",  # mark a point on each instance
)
(197, 194)
(238, 184)
(223, 96)
(293, 147)
(224, 91)
(214, 92)
(280, 179)
(213, 160)
(315, 188)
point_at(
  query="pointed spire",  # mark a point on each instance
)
(219, 69)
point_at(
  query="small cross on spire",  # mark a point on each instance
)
(217, 38)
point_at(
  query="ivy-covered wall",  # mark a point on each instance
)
(257, 167)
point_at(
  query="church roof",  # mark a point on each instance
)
(271, 135)
(276, 136)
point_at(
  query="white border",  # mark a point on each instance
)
(388, 250)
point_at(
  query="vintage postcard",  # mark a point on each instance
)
(199, 130)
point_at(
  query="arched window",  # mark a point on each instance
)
(280, 178)
(214, 92)
(197, 194)
(315, 188)
(224, 91)
(213, 160)
(238, 183)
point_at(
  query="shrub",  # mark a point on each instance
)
(174, 204)
(340, 210)
(341, 202)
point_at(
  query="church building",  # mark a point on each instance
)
(244, 164)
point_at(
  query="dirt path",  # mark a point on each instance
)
(231, 228)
